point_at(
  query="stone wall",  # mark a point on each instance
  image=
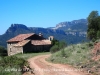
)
(11, 49)
(27, 48)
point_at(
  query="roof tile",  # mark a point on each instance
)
(41, 42)
(20, 37)
(22, 43)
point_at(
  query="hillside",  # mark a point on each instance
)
(71, 37)
(85, 56)
(78, 25)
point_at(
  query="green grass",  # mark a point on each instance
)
(0, 57)
(15, 62)
(30, 55)
(74, 55)
(8, 63)
(79, 56)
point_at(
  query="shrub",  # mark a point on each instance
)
(54, 49)
(56, 46)
(63, 52)
(82, 47)
(90, 44)
(3, 51)
(62, 45)
(10, 62)
(55, 42)
(78, 51)
(93, 40)
(13, 60)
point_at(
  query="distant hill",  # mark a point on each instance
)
(76, 34)
(79, 25)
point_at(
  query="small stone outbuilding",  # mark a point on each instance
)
(24, 43)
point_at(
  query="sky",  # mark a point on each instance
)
(44, 13)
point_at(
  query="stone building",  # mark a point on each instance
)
(28, 43)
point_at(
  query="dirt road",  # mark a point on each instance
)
(42, 67)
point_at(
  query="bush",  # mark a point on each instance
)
(55, 42)
(62, 45)
(54, 49)
(63, 53)
(10, 62)
(78, 51)
(82, 47)
(57, 46)
(90, 44)
(3, 51)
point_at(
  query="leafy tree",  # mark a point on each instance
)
(92, 15)
(55, 42)
(98, 34)
(93, 25)
(56, 46)
(3, 51)
(54, 49)
(62, 44)
(91, 33)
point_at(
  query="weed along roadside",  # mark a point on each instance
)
(79, 56)
(11, 65)
(17, 64)
(43, 67)
(30, 55)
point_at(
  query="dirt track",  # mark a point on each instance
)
(42, 67)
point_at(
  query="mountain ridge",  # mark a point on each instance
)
(69, 36)
(69, 24)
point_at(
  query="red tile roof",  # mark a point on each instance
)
(22, 43)
(41, 42)
(20, 37)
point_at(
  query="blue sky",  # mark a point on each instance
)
(44, 13)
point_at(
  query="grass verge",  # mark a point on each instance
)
(30, 55)
(79, 56)
(12, 65)
(74, 55)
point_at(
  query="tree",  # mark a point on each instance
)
(54, 49)
(93, 25)
(91, 34)
(98, 34)
(3, 51)
(57, 45)
(55, 42)
(92, 15)
(62, 44)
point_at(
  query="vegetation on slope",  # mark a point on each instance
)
(30, 55)
(3, 51)
(80, 56)
(74, 54)
(12, 65)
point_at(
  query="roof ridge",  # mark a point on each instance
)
(20, 37)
